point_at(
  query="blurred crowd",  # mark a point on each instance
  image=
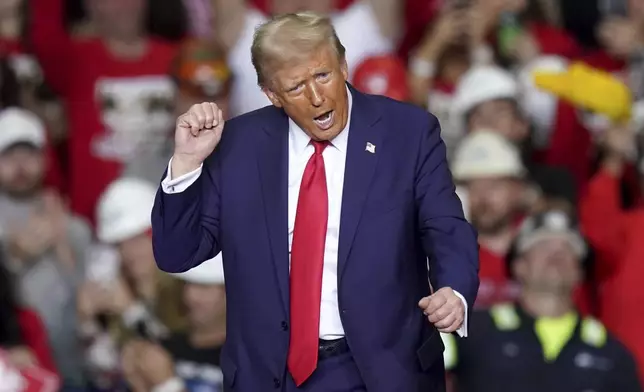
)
(541, 104)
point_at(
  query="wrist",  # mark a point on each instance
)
(182, 164)
(173, 384)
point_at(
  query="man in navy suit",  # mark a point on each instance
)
(326, 207)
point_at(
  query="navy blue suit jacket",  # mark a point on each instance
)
(398, 207)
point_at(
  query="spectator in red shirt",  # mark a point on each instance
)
(116, 89)
(489, 169)
(616, 233)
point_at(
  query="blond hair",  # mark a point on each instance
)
(290, 37)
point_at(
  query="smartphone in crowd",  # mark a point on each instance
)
(509, 29)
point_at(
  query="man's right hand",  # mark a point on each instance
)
(197, 134)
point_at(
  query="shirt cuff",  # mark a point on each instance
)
(180, 183)
(174, 384)
(462, 330)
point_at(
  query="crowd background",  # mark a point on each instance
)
(541, 111)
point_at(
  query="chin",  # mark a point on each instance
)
(325, 135)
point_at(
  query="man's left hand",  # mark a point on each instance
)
(444, 309)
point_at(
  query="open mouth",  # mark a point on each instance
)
(325, 120)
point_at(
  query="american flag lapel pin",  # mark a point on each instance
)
(371, 148)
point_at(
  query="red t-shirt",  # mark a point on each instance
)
(495, 287)
(10, 46)
(100, 93)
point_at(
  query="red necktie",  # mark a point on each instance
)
(307, 258)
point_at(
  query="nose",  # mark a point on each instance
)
(315, 96)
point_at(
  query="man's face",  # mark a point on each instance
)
(137, 114)
(22, 169)
(493, 203)
(313, 93)
(551, 265)
(206, 304)
(502, 116)
(123, 18)
(137, 257)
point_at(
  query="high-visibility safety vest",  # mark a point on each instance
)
(507, 350)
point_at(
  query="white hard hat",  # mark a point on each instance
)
(124, 210)
(484, 154)
(210, 272)
(481, 84)
(540, 106)
(20, 126)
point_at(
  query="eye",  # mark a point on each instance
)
(323, 75)
(159, 104)
(296, 88)
(107, 103)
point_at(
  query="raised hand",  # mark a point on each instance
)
(197, 134)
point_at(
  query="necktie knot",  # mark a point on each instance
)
(319, 145)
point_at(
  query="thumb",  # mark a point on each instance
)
(424, 302)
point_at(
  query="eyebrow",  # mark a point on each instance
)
(297, 82)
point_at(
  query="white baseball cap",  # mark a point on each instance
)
(20, 126)
(210, 272)
(124, 210)
(484, 154)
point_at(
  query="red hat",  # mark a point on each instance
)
(382, 75)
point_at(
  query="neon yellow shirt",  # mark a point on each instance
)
(554, 333)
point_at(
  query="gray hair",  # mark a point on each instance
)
(291, 37)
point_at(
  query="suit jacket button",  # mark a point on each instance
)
(276, 383)
(284, 326)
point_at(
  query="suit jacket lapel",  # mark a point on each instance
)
(273, 168)
(359, 170)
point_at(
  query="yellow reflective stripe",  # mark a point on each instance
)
(593, 332)
(450, 355)
(505, 317)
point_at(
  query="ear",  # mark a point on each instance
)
(272, 97)
(519, 269)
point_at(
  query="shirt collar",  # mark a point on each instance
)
(299, 138)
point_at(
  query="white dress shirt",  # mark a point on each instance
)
(300, 151)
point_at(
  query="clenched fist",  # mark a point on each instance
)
(197, 134)
(444, 309)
